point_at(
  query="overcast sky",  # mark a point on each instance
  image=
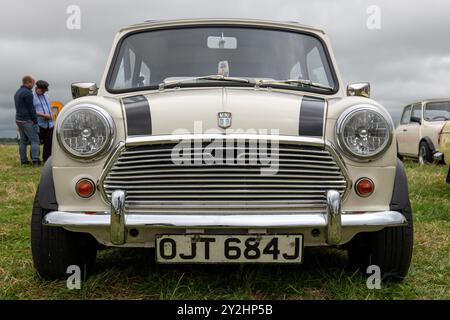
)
(407, 59)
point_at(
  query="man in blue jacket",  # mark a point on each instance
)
(26, 120)
(44, 113)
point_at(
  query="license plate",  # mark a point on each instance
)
(196, 248)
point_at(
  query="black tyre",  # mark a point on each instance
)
(390, 249)
(54, 248)
(425, 155)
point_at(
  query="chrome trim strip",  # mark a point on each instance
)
(138, 141)
(140, 153)
(108, 164)
(258, 189)
(227, 188)
(292, 183)
(230, 173)
(329, 146)
(291, 162)
(373, 219)
(169, 166)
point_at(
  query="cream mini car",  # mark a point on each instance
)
(419, 128)
(222, 141)
(444, 147)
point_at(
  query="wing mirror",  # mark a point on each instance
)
(82, 89)
(361, 89)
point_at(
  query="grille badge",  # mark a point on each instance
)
(224, 119)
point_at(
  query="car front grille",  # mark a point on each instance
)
(155, 184)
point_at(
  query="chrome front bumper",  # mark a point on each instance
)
(333, 221)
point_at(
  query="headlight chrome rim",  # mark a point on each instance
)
(339, 132)
(110, 133)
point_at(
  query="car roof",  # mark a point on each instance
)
(427, 101)
(436, 100)
(234, 21)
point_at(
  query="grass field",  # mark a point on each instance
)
(131, 274)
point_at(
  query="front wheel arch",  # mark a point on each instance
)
(45, 195)
(429, 142)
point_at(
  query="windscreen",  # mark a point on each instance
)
(146, 59)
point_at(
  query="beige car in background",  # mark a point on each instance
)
(419, 128)
(223, 141)
(444, 147)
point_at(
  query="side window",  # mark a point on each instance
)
(316, 68)
(125, 72)
(144, 76)
(296, 72)
(417, 111)
(406, 115)
(437, 111)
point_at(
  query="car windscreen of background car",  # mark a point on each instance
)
(146, 59)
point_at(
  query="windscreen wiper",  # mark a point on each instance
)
(215, 77)
(302, 82)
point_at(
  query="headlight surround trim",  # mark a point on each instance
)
(110, 132)
(339, 132)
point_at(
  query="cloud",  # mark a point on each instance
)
(408, 59)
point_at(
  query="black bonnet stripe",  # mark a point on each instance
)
(137, 112)
(311, 117)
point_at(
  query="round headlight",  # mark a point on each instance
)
(85, 132)
(363, 132)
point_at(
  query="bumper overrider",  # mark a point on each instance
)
(333, 221)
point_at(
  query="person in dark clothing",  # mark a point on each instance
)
(43, 108)
(27, 122)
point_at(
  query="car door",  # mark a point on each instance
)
(402, 130)
(412, 134)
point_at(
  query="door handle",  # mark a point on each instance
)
(404, 130)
